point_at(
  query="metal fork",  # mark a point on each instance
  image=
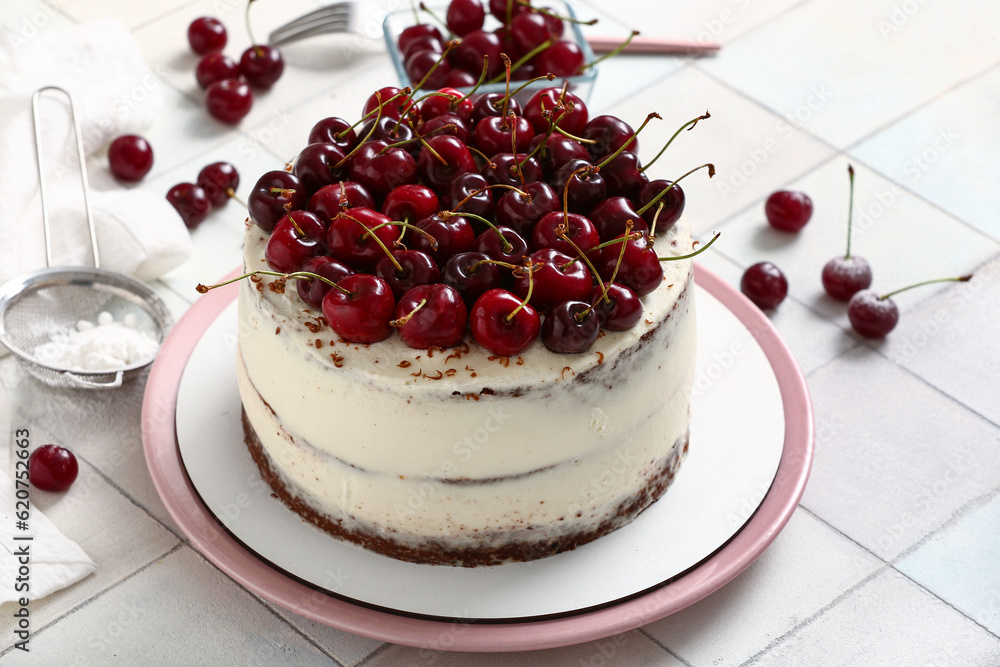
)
(329, 19)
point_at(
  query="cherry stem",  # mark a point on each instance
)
(437, 18)
(507, 247)
(574, 137)
(246, 17)
(479, 82)
(527, 297)
(569, 180)
(405, 225)
(451, 45)
(618, 49)
(850, 210)
(297, 275)
(630, 139)
(284, 192)
(688, 125)
(371, 130)
(960, 279)
(232, 195)
(562, 232)
(549, 12)
(485, 188)
(621, 258)
(406, 318)
(711, 173)
(544, 77)
(368, 231)
(692, 254)
(520, 61)
(475, 267)
(486, 159)
(430, 150)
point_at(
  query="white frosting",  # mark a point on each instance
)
(553, 442)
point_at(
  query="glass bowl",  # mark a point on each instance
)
(581, 85)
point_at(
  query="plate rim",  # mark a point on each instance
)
(240, 564)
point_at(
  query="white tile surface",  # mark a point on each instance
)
(348, 649)
(894, 458)
(942, 152)
(808, 565)
(888, 621)
(133, 14)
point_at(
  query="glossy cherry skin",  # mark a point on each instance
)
(459, 78)
(557, 151)
(562, 332)
(426, 43)
(446, 101)
(456, 160)
(466, 194)
(492, 104)
(491, 328)
(611, 216)
(262, 65)
(563, 58)
(578, 228)
(331, 199)
(418, 269)
(640, 268)
(275, 193)
(673, 203)
(52, 468)
(489, 243)
(397, 108)
(363, 315)
(297, 237)
(521, 213)
(529, 30)
(765, 285)
(872, 316)
(380, 168)
(496, 134)
(586, 189)
(554, 282)
(333, 130)
(318, 165)
(788, 210)
(130, 157)
(453, 234)
(467, 274)
(313, 291)
(620, 311)
(206, 35)
(413, 32)
(215, 67)
(505, 10)
(447, 124)
(548, 99)
(608, 134)
(428, 66)
(476, 46)
(350, 242)
(190, 202)
(219, 180)
(843, 277)
(410, 202)
(229, 100)
(439, 322)
(511, 169)
(387, 129)
(464, 16)
(622, 175)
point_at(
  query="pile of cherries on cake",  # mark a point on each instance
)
(442, 213)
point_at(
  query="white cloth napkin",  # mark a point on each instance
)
(138, 232)
(53, 561)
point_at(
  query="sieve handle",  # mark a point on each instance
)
(83, 382)
(41, 172)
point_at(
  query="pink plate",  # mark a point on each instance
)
(212, 540)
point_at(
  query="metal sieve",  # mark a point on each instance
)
(40, 305)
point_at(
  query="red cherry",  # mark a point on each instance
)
(673, 203)
(571, 327)
(417, 31)
(505, 10)
(206, 34)
(554, 281)
(557, 151)
(494, 104)
(318, 165)
(313, 291)
(262, 65)
(446, 101)
(52, 468)
(623, 175)
(331, 199)
(439, 322)
(442, 158)
(562, 59)
(611, 217)
(620, 310)
(466, 194)
(447, 123)
(229, 100)
(395, 109)
(476, 46)
(363, 315)
(380, 168)
(607, 134)
(453, 234)
(843, 277)
(420, 63)
(351, 237)
(410, 202)
(585, 190)
(501, 324)
(871, 316)
(297, 237)
(464, 16)
(529, 30)
(467, 273)
(215, 67)
(548, 99)
(765, 285)
(494, 134)
(191, 202)
(490, 244)
(512, 169)
(219, 180)
(788, 210)
(640, 268)
(389, 130)
(333, 130)
(458, 78)
(417, 269)
(579, 229)
(130, 158)
(523, 213)
(426, 43)
(275, 193)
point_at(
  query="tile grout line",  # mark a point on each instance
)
(642, 631)
(374, 654)
(280, 618)
(99, 594)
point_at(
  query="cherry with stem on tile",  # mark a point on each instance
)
(845, 276)
(874, 316)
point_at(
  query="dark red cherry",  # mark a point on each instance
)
(331, 199)
(557, 279)
(52, 468)
(872, 316)
(505, 10)
(215, 67)
(673, 203)
(219, 180)
(578, 228)
(571, 327)
(468, 274)
(428, 66)
(453, 234)
(363, 315)
(607, 134)
(229, 100)
(464, 16)
(410, 202)
(586, 189)
(397, 108)
(389, 130)
(489, 105)
(434, 315)
(333, 130)
(426, 43)
(297, 237)
(351, 237)
(467, 194)
(511, 169)
(190, 202)
(611, 217)
(380, 168)
(320, 164)
(447, 124)
(416, 268)
(522, 213)
(489, 243)
(262, 65)
(500, 323)
(620, 310)
(274, 194)
(312, 291)
(206, 34)
(446, 101)
(765, 285)
(788, 210)
(563, 58)
(548, 99)
(413, 32)
(623, 176)
(495, 134)
(557, 151)
(476, 46)
(459, 78)
(640, 268)
(130, 157)
(529, 30)
(843, 277)
(441, 159)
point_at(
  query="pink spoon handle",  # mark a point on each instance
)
(653, 45)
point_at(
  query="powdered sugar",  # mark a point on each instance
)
(101, 347)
